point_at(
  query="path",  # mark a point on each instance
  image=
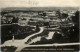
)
(50, 35)
(20, 44)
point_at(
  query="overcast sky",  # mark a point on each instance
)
(39, 3)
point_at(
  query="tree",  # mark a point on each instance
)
(75, 18)
(46, 24)
(51, 18)
(74, 31)
(37, 27)
(44, 14)
(59, 14)
(15, 20)
(57, 37)
(64, 15)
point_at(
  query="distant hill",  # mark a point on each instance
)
(39, 8)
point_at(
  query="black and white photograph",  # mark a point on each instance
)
(39, 26)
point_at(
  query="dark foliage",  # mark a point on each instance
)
(8, 49)
(19, 32)
(15, 20)
(64, 15)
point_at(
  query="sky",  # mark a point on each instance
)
(39, 3)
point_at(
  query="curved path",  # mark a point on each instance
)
(20, 44)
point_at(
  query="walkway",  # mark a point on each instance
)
(20, 44)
